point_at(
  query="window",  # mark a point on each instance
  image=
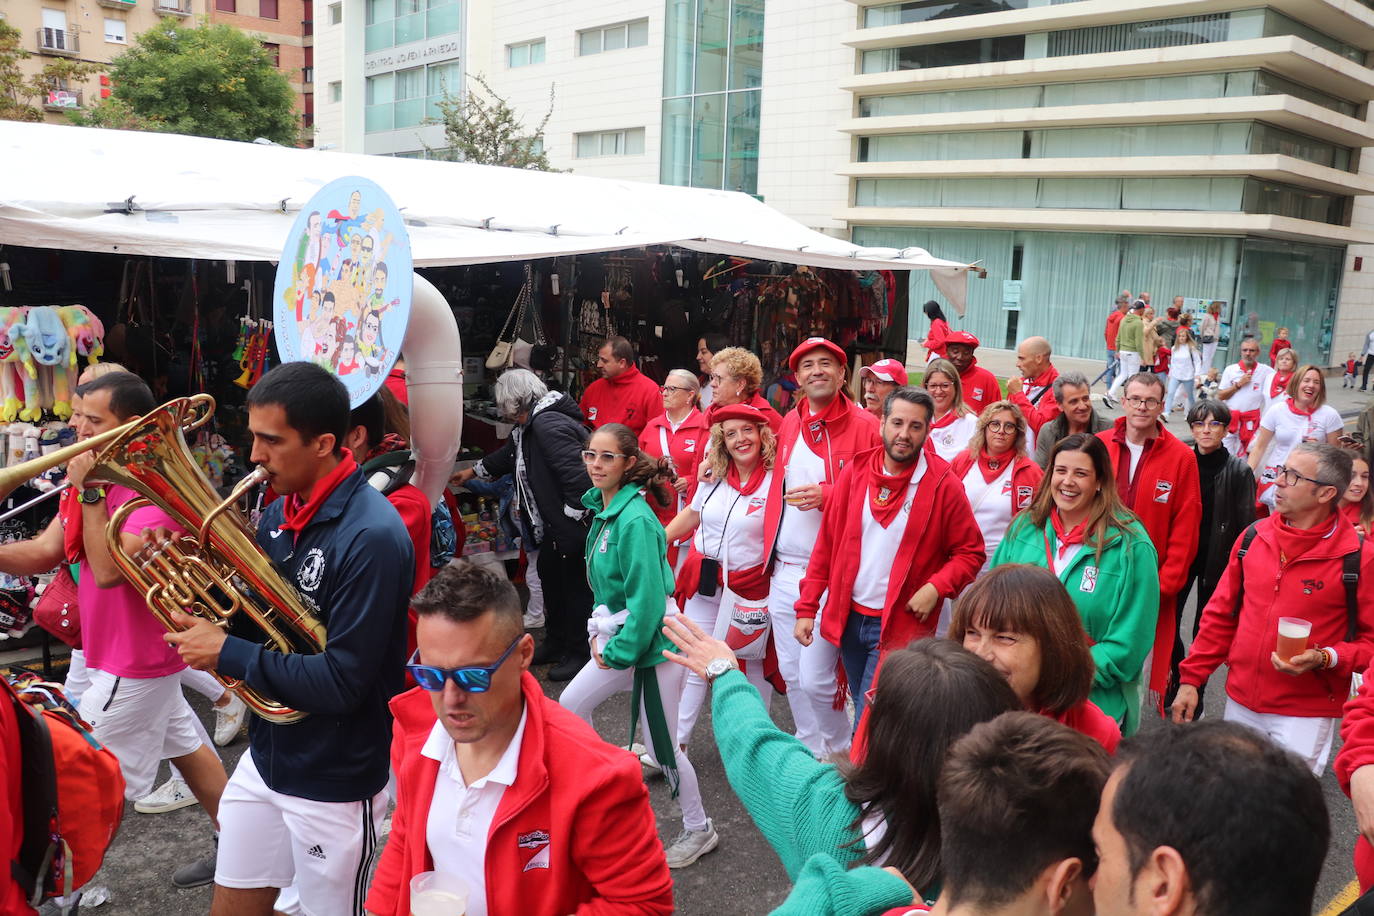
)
(336, 91)
(628, 142)
(335, 13)
(227, 6)
(442, 81)
(115, 30)
(525, 53)
(307, 75)
(613, 37)
(273, 53)
(267, 9)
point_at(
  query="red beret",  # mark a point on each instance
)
(962, 337)
(738, 412)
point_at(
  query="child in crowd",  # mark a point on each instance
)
(1281, 342)
(1352, 366)
(1207, 388)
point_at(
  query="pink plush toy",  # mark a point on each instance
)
(11, 375)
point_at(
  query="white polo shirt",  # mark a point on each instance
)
(1253, 395)
(460, 815)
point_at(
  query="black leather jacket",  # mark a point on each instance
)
(1232, 511)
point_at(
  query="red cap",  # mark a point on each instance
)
(889, 370)
(738, 412)
(813, 343)
(962, 337)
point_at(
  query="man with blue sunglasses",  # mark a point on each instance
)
(499, 786)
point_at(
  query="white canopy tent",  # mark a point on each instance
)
(168, 195)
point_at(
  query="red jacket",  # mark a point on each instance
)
(1280, 343)
(631, 398)
(980, 387)
(1309, 586)
(577, 802)
(856, 432)
(415, 511)
(1043, 410)
(944, 548)
(1025, 476)
(1113, 327)
(685, 447)
(1167, 497)
(1087, 719)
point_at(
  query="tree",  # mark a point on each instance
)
(483, 128)
(207, 80)
(21, 96)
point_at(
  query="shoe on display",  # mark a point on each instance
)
(170, 796)
(690, 845)
(567, 669)
(229, 719)
(197, 874)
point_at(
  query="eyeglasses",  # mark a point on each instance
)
(591, 457)
(667, 388)
(1207, 424)
(473, 679)
(719, 379)
(938, 386)
(1002, 427)
(1148, 403)
(1291, 477)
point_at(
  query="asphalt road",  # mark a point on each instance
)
(743, 875)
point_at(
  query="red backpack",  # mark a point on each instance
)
(72, 789)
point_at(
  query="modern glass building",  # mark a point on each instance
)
(1083, 147)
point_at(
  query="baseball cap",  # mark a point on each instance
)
(812, 343)
(888, 370)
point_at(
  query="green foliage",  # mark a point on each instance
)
(21, 97)
(483, 128)
(207, 80)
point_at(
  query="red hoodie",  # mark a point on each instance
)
(631, 398)
(943, 547)
(1045, 408)
(578, 806)
(856, 431)
(1167, 497)
(980, 387)
(1113, 327)
(1311, 586)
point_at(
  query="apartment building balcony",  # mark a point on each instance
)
(172, 7)
(61, 42)
(62, 100)
(118, 4)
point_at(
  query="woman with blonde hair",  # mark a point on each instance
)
(953, 423)
(1302, 416)
(737, 378)
(1078, 528)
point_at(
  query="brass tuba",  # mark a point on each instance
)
(214, 570)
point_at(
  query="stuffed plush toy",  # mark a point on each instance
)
(86, 332)
(49, 346)
(11, 375)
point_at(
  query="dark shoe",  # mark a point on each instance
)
(196, 874)
(567, 669)
(546, 654)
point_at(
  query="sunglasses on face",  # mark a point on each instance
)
(592, 457)
(472, 679)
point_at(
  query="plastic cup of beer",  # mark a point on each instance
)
(1293, 634)
(435, 893)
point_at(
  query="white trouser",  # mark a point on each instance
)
(593, 686)
(705, 613)
(1130, 365)
(535, 585)
(78, 678)
(1209, 352)
(1309, 737)
(820, 726)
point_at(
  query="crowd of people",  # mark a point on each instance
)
(970, 595)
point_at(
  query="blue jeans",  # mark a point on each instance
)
(1112, 365)
(859, 655)
(1175, 384)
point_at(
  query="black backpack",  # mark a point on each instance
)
(1350, 576)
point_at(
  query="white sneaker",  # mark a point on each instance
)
(229, 719)
(170, 796)
(691, 845)
(534, 621)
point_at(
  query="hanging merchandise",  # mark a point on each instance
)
(502, 354)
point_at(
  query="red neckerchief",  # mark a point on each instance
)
(886, 492)
(755, 479)
(950, 416)
(1294, 542)
(1074, 536)
(814, 425)
(69, 506)
(1278, 383)
(991, 466)
(297, 513)
(1294, 408)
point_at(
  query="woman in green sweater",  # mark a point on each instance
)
(627, 566)
(880, 812)
(1078, 528)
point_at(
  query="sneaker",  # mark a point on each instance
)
(170, 796)
(567, 669)
(229, 719)
(198, 874)
(1108, 402)
(691, 845)
(534, 621)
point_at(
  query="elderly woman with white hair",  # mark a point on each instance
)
(679, 434)
(544, 454)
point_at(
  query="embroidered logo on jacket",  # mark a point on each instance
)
(591, 414)
(1023, 496)
(689, 445)
(1089, 580)
(1312, 585)
(978, 394)
(755, 504)
(537, 840)
(311, 570)
(1162, 490)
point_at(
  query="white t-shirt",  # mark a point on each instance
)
(1062, 563)
(953, 439)
(1290, 428)
(460, 815)
(708, 393)
(731, 522)
(1135, 452)
(1253, 395)
(879, 545)
(799, 529)
(991, 502)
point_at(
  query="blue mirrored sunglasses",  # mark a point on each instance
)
(473, 679)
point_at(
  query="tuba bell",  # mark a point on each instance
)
(215, 569)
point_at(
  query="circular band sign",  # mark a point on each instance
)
(343, 288)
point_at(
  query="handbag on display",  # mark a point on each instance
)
(57, 610)
(503, 354)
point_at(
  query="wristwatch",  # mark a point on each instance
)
(92, 495)
(718, 666)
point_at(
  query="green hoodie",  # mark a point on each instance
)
(1118, 599)
(627, 567)
(1131, 335)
